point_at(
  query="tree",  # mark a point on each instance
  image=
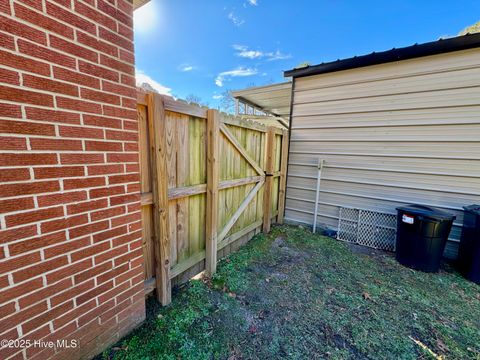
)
(195, 99)
(475, 28)
(227, 102)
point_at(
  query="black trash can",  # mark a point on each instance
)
(469, 250)
(422, 232)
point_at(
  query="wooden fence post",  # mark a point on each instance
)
(213, 135)
(269, 169)
(158, 151)
(283, 177)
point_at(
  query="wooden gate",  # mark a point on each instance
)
(209, 182)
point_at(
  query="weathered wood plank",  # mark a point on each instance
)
(231, 238)
(146, 199)
(213, 134)
(239, 211)
(240, 149)
(269, 169)
(283, 178)
(184, 108)
(156, 119)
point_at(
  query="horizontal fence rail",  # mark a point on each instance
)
(209, 182)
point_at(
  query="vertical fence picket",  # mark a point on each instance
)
(269, 170)
(213, 177)
(158, 144)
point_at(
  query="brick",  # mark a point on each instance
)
(7, 309)
(71, 159)
(20, 189)
(64, 223)
(122, 158)
(121, 135)
(17, 291)
(33, 216)
(125, 6)
(104, 214)
(113, 293)
(64, 198)
(66, 247)
(110, 254)
(52, 85)
(21, 316)
(129, 103)
(32, 3)
(73, 49)
(126, 238)
(113, 12)
(45, 292)
(74, 314)
(25, 96)
(58, 172)
(95, 15)
(5, 7)
(133, 187)
(92, 272)
(75, 77)
(12, 264)
(104, 169)
(122, 179)
(36, 243)
(69, 184)
(72, 292)
(100, 96)
(42, 21)
(14, 111)
(130, 147)
(27, 159)
(46, 53)
(103, 146)
(71, 18)
(13, 143)
(40, 268)
(106, 191)
(125, 31)
(55, 144)
(124, 199)
(111, 233)
(113, 273)
(64, 3)
(101, 121)
(9, 77)
(127, 56)
(111, 63)
(16, 204)
(17, 234)
(13, 27)
(7, 41)
(47, 316)
(86, 206)
(116, 88)
(97, 71)
(90, 251)
(127, 218)
(49, 115)
(78, 105)
(95, 313)
(26, 127)
(97, 44)
(120, 112)
(89, 228)
(95, 292)
(14, 174)
(128, 257)
(68, 271)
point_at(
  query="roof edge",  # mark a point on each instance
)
(464, 42)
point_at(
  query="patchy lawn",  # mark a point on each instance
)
(296, 295)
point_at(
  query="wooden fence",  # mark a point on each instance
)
(209, 182)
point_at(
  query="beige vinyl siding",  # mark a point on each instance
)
(391, 134)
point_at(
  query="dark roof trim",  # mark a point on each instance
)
(441, 46)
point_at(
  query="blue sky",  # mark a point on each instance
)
(204, 47)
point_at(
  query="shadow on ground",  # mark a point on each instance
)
(296, 295)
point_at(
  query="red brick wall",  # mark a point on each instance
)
(71, 263)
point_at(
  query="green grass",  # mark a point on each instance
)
(296, 295)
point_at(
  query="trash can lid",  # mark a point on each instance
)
(427, 211)
(473, 209)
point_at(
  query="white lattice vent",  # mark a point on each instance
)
(369, 228)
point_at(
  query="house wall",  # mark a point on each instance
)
(71, 264)
(396, 133)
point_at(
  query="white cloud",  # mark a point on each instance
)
(186, 67)
(141, 78)
(146, 18)
(238, 72)
(244, 52)
(253, 2)
(217, 97)
(235, 19)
